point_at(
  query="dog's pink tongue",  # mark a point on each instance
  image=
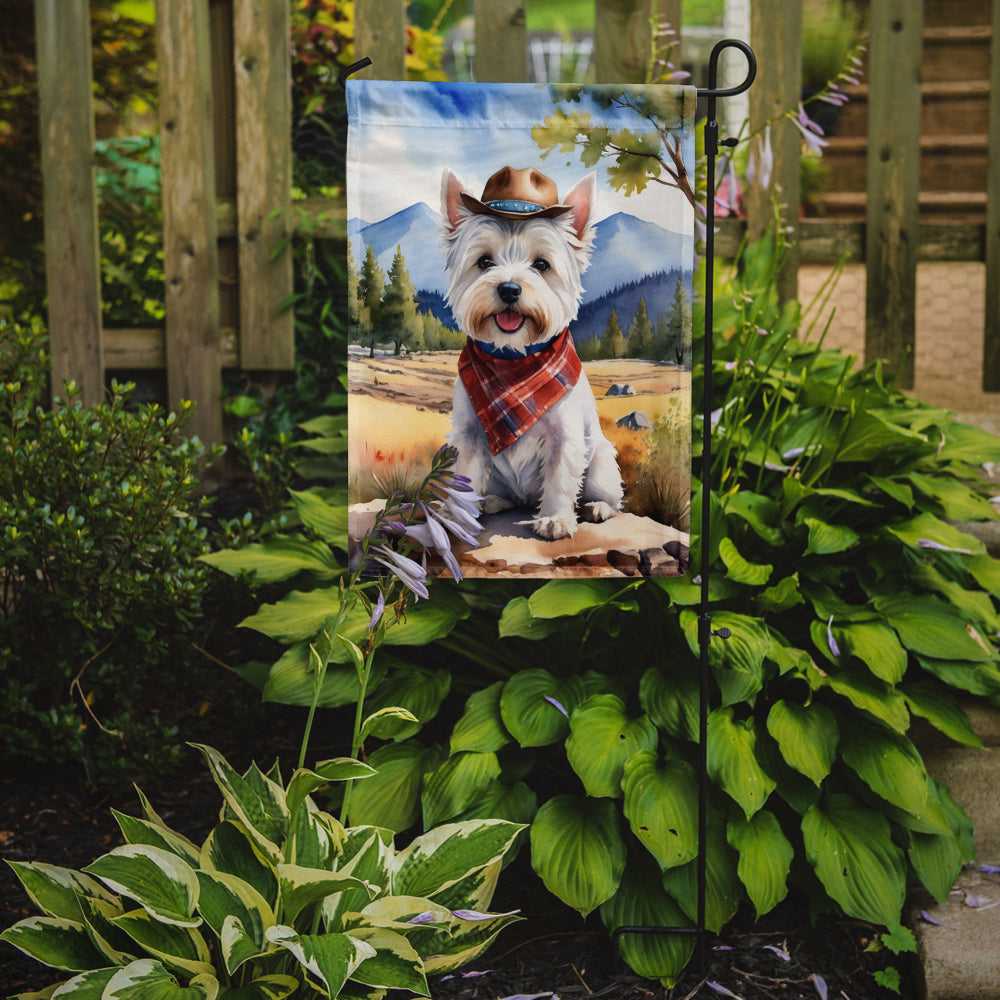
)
(509, 321)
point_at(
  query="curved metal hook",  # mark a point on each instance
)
(713, 69)
(353, 68)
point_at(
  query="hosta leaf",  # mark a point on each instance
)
(456, 784)
(147, 979)
(390, 723)
(928, 528)
(418, 691)
(56, 891)
(159, 881)
(516, 803)
(828, 539)
(760, 512)
(888, 763)
(330, 959)
(327, 520)
(291, 680)
(391, 798)
(466, 941)
(230, 849)
(738, 661)
(87, 986)
(641, 901)
(530, 706)
(578, 851)
(661, 799)
(275, 987)
(937, 860)
(141, 831)
(866, 692)
(739, 569)
(785, 594)
(225, 897)
(876, 646)
(931, 628)
(516, 620)
(941, 709)
(957, 501)
(180, 948)
(279, 558)
(481, 728)
(366, 855)
(765, 858)
(870, 436)
(301, 887)
(602, 738)
(976, 678)
(559, 598)
(671, 700)
(304, 782)
(395, 964)
(807, 736)
(732, 760)
(985, 569)
(54, 941)
(850, 848)
(98, 916)
(723, 889)
(441, 857)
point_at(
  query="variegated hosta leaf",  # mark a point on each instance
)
(275, 987)
(301, 887)
(475, 891)
(225, 897)
(315, 838)
(256, 801)
(141, 831)
(535, 706)
(468, 939)
(230, 849)
(642, 902)
(149, 980)
(329, 959)
(732, 760)
(441, 857)
(395, 964)
(304, 782)
(54, 941)
(807, 736)
(850, 847)
(481, 727)
(661, 805)
(56, 891)
(158, 880)
(116, 947)
(367, 853)
(602, 737)
(177, 947)
(87, 986)
(765, 858)
(456, 784)
(578, 851)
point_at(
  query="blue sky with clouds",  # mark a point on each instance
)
(402, 135)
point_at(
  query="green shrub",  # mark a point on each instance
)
(101, 584)
(279, 900)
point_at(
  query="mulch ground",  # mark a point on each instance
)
(551, 952)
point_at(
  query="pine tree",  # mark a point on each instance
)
(639, 342)
(371, 287)
(399, 305)
(613, 341)
(677, 347)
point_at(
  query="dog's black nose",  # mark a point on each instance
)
(509, 291)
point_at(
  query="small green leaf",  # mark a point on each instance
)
(456, 784)
(671, 699)
(391, 798)
(807, 736)
(739, 569)
(560, 598)
(732, 760)
(481, 727)
(932, 628)
(279, 558)
(765, 858)
(535, 706)
(888, 763)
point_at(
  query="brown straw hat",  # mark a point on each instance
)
(517, 194)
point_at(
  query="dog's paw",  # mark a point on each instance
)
(597, 511)
(492, 504)
(553, 528)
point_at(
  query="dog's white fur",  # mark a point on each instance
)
(564, 459)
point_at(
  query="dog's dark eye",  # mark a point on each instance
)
(541, 265)
(485, 262)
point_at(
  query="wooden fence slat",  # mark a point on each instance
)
(380, 34)
(991, 332)
(892, 215)
(776, 36)
(190, 253)
(72, 255)
(262, 61)
(501, 37)
(621, 40)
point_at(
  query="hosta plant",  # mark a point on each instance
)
(279, 900)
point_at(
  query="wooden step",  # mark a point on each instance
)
(959, 206)
(956, 53)
(945, 104)
(940, 13)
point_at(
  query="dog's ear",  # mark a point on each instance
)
(452, 209)
(581, 200)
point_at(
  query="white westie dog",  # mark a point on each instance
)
(524, 420)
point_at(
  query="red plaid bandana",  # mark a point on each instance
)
(511, 394)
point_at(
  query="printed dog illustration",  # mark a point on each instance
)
(524, 419)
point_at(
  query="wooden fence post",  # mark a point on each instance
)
(501, 41)
(991, 332)
(621, 40)
(72, 255)
(892, 215)
(380, 34)
(262, 61)
(776, 35)
(190, 251)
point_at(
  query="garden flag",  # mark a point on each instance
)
(520, 269)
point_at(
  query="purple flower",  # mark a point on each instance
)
(820, 983)
(719, 988)
(558, 705)
(811, 132)
(927, 543)
(427, 917)
(834, 648)
(377, 612)
(780, 952)
(411, 574)
(475, 915)
(761, 163)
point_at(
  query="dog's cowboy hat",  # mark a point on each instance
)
(517, 194)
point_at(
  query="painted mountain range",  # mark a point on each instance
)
(627, 251)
